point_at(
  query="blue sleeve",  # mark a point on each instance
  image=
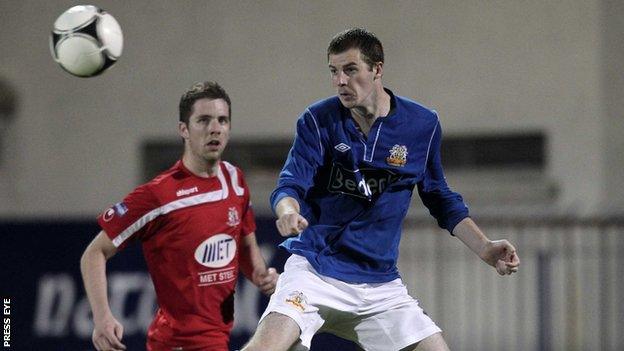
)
(446, 206)
(304, 158)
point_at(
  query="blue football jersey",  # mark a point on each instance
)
(355, 190)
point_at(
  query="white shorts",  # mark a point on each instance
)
(380, 316)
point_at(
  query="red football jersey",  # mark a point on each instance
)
(190, 228)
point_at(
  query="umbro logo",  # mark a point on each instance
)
(342, 147)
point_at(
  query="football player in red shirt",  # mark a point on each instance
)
(196, 227)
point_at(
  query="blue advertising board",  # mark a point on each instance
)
(45, 307)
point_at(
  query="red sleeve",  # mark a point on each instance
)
(130, 219)
(249, 221)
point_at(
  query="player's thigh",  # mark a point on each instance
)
(276, 332)
(433, 342)
(402, 324)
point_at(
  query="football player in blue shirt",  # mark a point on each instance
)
(341, 198)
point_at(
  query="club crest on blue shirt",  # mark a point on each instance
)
(398, 156)
(233, 219)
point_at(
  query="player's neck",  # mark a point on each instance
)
(366, 115)
(200, 167)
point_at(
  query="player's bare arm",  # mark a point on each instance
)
(254, 267)
(289, 221)
(107, 331)
(499, 254)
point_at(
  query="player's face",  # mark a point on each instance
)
(353, 78)
(208, 129)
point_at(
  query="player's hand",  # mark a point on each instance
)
(501, 255)
(107, 334)
(291, 224)
(267, 280)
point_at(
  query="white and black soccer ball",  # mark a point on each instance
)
(86, 40)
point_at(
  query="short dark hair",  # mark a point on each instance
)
(357, 38)
(201, 90)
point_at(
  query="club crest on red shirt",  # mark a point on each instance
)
(233, 218)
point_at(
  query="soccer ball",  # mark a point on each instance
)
(86, 40)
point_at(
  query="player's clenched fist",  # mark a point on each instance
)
(290, 224)
(266, 281)
(501, 255)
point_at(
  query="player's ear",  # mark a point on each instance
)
(378, 69)
(183, 130)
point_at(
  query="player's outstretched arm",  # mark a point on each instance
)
(107, 331)
(254, 267)
(289, 221)
(499, 254)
